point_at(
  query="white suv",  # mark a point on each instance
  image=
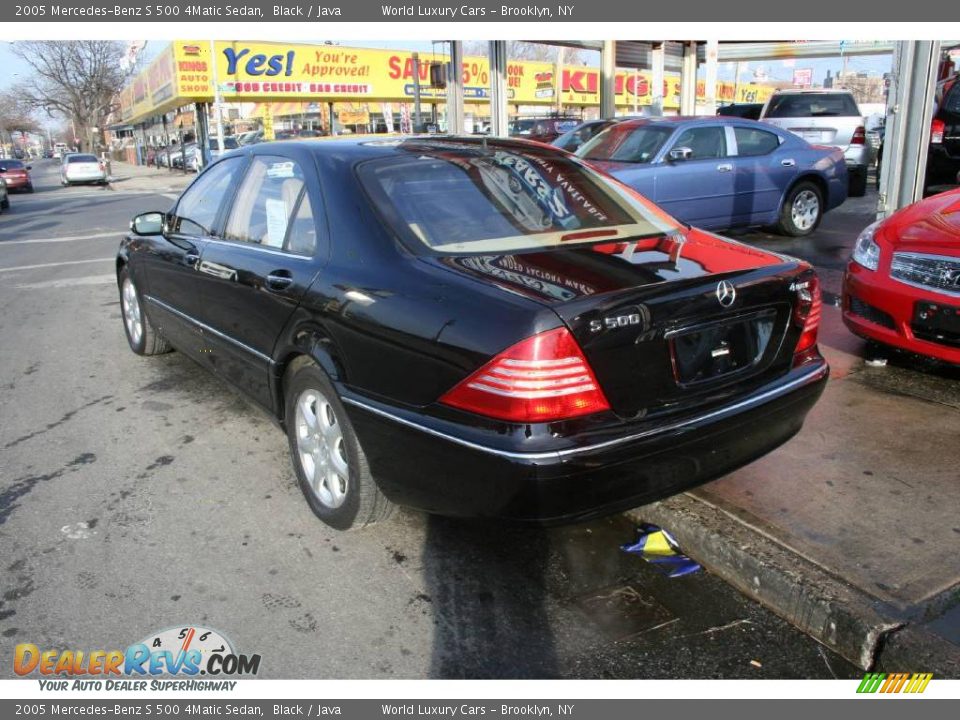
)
(825, 117)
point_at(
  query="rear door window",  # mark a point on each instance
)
(752, 142)
(271, 201)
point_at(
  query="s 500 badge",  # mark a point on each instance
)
(632, 317)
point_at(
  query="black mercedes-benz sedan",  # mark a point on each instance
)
(474, 327)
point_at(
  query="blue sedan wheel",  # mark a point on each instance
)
(802, 210)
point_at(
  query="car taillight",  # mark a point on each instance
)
(807, 312)
(859, 136)
(936, 131)
(541, 379)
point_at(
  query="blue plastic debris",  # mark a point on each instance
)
(657, 546)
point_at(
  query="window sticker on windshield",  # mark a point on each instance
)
(276, 223)
(280, 170)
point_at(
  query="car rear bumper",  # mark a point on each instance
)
(879, 308)
(418, 464)
(15, 183)
(86, 177)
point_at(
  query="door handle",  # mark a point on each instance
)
(191, 259)
(725, 167)
(279, 280)
(789, 162)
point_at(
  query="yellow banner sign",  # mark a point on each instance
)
(264, 71)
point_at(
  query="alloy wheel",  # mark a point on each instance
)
(131, 311)
(805, 210)
(320, 448)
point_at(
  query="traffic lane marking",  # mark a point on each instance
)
(69, 282)
(66, 238)
(56, 264)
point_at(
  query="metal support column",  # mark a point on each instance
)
(499, 126)
(688, 79)
(201, 110)
(656, 80)
(710, 80)
(417, 119)
(907, 135)
(217, 109)
(455, 89)
(608, 76)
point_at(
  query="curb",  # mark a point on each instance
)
(833, 612)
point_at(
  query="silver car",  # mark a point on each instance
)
(81, 168)
(825, 117)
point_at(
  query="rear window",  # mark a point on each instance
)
(82, 159)
(11, 164)
(563, 126)
(467, 199)
(812, 105)
(627, 143)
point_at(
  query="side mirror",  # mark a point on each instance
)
(679, 154)
(29, 167)
(150, 223)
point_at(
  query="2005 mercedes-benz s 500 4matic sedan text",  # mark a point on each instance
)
(473, 326)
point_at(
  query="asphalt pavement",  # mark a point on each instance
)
(138, 494)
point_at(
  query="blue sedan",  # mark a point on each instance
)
(723, 172)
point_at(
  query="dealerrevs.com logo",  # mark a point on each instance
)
(172, 659)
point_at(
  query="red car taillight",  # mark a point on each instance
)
(936, 131)
(859, 136)
(807, 312)
(541, 379)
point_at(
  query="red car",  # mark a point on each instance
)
(902, 285)
(17, 174)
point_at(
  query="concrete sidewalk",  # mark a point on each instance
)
(125, 176)
(850, 530)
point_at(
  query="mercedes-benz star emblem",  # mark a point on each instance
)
(726, 293)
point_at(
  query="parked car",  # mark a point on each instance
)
(4, 196)
(825, 117)
(723, 172)
(217, 148)
(943, 158)
(82, 168)
(573, 139)
(902, 284)
(177, 154)
(16, 173)
(427, 337)
(542, 129)
(250, 138)
(750, 111)
(59, 150)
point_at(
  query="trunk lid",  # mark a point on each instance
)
(666, 323)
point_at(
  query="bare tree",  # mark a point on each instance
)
(521, 50)
(15, 117)
(77, 80)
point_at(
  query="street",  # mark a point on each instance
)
(138, 494)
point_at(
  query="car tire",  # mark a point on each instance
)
(802, 210)
(858, 183)
(142, 337)
(329, 463)
(5, 204)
